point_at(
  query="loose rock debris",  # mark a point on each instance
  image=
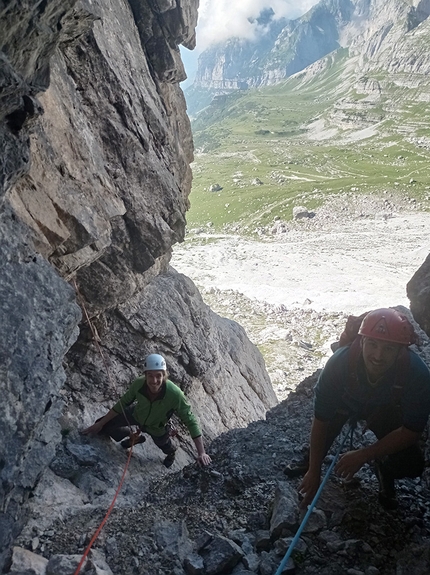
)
(239, 516)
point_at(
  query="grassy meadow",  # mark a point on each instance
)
(274, 148)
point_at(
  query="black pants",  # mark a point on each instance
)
(408, 462)
(118, 428)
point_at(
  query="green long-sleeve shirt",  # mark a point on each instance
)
(153, 415)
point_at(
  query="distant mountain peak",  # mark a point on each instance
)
(264, 18)
(285, 47)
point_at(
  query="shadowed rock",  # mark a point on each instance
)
(418, 291)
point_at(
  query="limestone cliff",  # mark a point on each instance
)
(94, 183)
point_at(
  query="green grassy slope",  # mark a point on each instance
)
(322, 131)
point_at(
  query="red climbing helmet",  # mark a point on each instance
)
(388, 324)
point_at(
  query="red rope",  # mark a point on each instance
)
(100, 527)
(99, 349)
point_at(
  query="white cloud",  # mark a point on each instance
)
(223, 19)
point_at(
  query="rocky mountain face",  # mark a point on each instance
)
(232, 65)
(94, 179)
(379, 77)
(283, 48)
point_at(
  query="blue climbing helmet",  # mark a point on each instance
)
(154, 362)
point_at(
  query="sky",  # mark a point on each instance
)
(223, 19)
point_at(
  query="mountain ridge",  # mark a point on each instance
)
(364, 26)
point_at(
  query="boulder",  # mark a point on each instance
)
(220, 555)
(64, 564)
(215, 188)
(285, 513)
(28, 562)
(418, 291)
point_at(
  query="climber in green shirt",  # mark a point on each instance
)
(149, 403)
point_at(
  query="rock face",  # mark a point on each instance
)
(38, 313)
(111, 165)
(39, 320)
(100, 206)
(208, 356)
(418, 291)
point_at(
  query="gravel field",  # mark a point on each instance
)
(292, 288)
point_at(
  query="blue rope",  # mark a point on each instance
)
(312, 505)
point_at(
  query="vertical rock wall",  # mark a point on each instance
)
(418, 291)
(38, 314)
(110, 161)
(39, 320)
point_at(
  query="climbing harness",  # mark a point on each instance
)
(353, 423)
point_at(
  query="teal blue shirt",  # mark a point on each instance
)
(333, 382)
